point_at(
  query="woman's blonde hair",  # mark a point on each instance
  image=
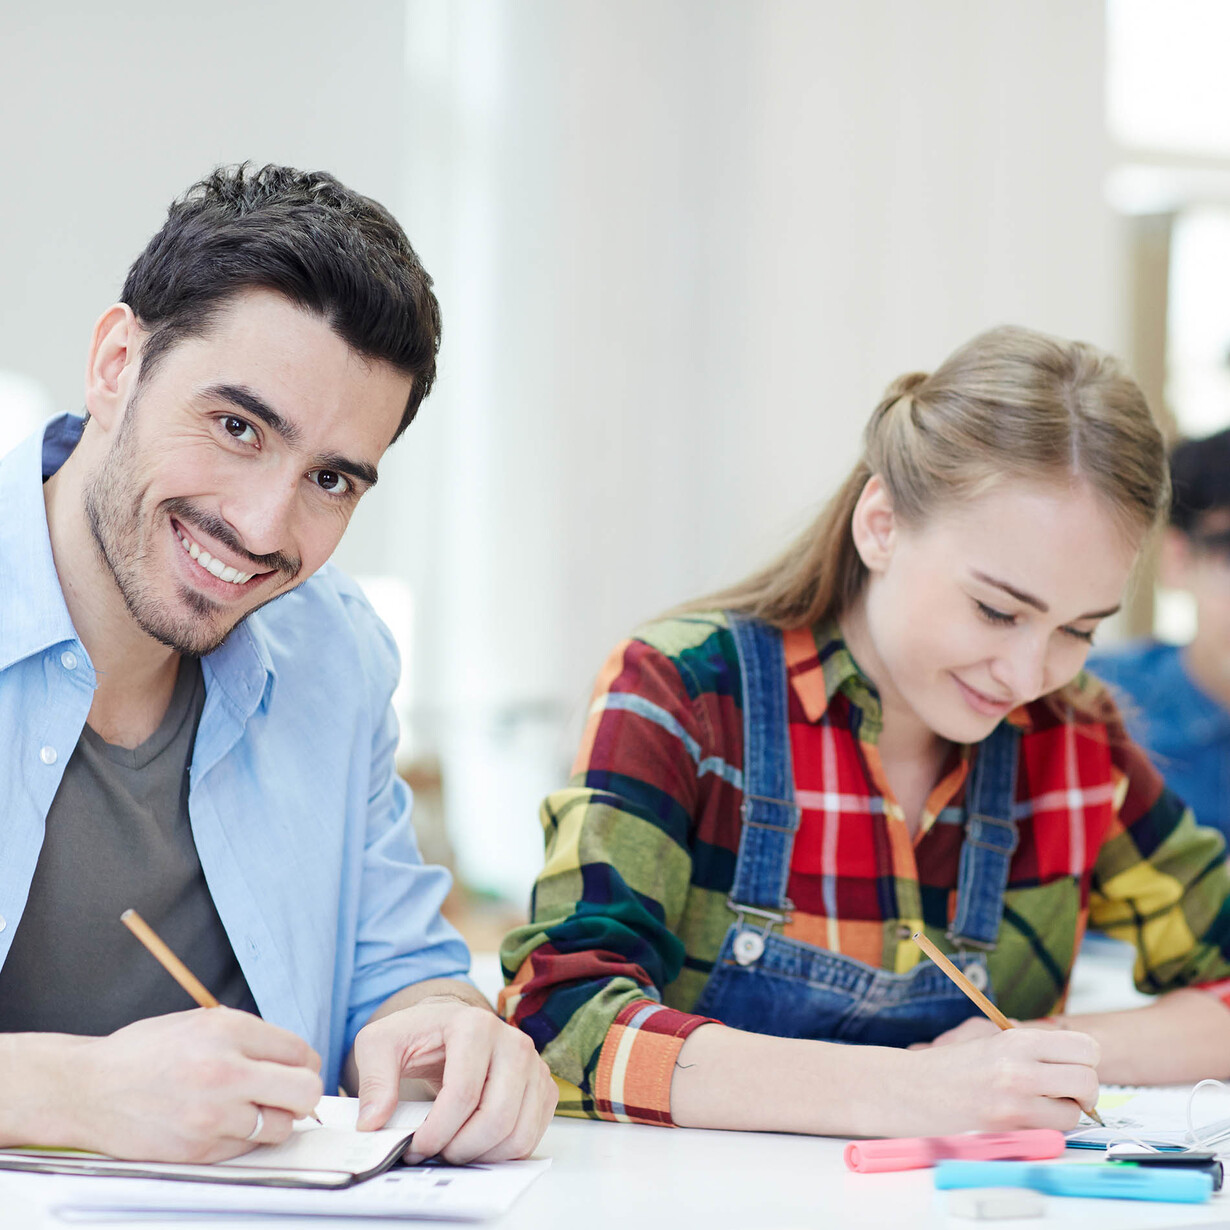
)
(1011, 403)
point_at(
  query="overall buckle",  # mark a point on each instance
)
(749, 943)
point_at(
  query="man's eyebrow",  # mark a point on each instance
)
(1037, 603)
(364, 471)
(243, 397)
(246, 400)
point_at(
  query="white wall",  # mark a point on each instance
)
(680, 246)
(108, 111)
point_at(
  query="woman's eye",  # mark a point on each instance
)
(1087, 637)
(237, 429)
(330, 481)
(991, 615)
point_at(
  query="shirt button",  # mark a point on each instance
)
(977, 975)
(4, 922)
(68, 660)
(904, 931)
(48, 755)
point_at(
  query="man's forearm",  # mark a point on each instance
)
(36, 1077)
(407, 997)
(1183, 1037)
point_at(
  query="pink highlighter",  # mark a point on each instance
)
(915, 1152)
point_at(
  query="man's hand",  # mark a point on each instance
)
(494, 1096)
(186, 1087)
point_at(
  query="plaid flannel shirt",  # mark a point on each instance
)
(629, 912)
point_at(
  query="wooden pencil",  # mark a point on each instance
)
(976, 995)
(167, 959)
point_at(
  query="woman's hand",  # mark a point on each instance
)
(1017, 1078)
(979, 1027)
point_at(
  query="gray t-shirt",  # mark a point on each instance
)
(118, 835)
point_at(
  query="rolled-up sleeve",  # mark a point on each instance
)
(585, 975)
(1160, 883)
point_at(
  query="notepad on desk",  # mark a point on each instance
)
(331, 1154)
(1158, 1117)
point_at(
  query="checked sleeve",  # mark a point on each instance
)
(585, 975)
(1160, 882)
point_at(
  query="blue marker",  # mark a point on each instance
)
(1110, 1182)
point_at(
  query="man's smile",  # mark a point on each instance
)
(214, 566)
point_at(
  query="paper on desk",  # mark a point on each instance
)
(455, 1193)
(1158, 1116)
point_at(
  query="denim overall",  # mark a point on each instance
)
(766, 983)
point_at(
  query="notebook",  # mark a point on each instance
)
(329, 1154)
(1158, 1117)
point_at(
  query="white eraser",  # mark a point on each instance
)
(992, 1203)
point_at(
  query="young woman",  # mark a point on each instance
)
(887, 730)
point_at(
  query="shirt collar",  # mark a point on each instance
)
(820, 665)
(40, 619)
(242, 666)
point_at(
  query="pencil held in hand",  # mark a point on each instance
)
(976, 995)
(171, 963)
(167, 959)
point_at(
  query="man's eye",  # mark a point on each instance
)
(238, 429)
(330, 481)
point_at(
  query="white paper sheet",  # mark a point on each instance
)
(1158, 1117)
(458, 1193)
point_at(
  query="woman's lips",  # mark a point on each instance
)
(981, 703)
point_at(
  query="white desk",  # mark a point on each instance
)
(608, 1176)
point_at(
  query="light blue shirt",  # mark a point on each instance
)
(300, 820)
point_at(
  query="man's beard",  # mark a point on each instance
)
(113, 508)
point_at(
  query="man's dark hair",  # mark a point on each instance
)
(1200, 479)
(304, 235)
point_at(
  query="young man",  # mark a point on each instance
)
(194, 712)
(1177, 699)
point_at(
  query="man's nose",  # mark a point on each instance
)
(263, 513)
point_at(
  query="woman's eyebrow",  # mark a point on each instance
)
(1021, 596)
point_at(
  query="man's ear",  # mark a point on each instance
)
(874, 525)
(111, 366)
(1174, 561)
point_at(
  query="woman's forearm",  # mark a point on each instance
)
(725, 1078)
(1182, 1037)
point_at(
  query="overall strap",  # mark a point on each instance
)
(770, 814)
(990, 840)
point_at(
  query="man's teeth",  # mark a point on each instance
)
(224, 572)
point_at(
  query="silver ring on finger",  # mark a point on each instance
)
(256, 1128)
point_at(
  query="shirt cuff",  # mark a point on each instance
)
(637, 1061)
(1221, 989)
